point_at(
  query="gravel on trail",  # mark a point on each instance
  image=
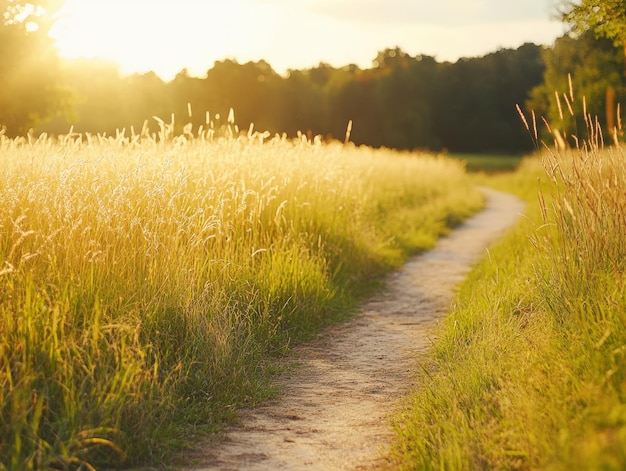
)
(333, 409)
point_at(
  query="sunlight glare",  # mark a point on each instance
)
(141, 35)
(166, 36)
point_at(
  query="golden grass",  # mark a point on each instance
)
(146, 282)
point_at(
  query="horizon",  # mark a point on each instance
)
(202, 75)
(167, 38)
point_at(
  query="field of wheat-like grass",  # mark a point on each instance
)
(146, 283)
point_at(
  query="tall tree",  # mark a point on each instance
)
(405, 91)
(474, 107)
(302, 104)
(403, 101)
(249, 89)
(607, 18)
(30, 83)
(594, 66)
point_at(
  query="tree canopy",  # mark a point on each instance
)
(579, 71)
(402, 101)
(607, 18)
(592, 56)
(31, 87)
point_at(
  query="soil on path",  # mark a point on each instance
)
(333, 409)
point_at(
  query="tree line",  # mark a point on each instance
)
(401, 101)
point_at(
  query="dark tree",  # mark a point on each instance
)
(607, 18)
(594, 66)
(402, 102)
(476, 99)
(30, 84)
(350, 96)
(303, 105)
(405, 90)
(249, 89)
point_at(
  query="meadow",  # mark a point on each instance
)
(148, 282)
(488, 163)
(529, 368)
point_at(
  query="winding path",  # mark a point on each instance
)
(332, 413)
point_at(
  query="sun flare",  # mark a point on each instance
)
(166, 36)
(141, 36)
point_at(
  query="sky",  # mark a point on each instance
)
(166, 36)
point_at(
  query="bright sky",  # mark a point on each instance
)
(168, 35)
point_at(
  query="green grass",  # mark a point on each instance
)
(529, 368)
(146, 284)
(488, 163)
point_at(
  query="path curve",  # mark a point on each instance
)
(333, 409)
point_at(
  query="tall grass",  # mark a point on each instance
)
(529, 371)
(147, 282)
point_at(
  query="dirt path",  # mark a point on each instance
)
(333, 411)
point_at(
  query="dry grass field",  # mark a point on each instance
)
(146, 282)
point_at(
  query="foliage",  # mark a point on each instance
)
(402, 102)
(585, 64)
(30, 86)
(606, 18)
(404, 98)
(147, 283)
(26, 13)
(474, 108)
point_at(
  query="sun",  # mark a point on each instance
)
(143, 35)
(166, 36)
